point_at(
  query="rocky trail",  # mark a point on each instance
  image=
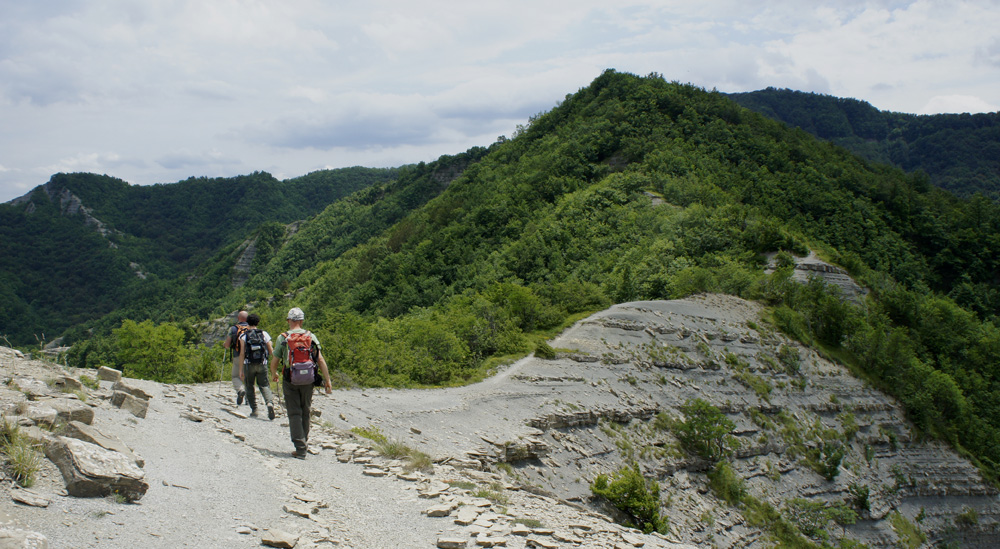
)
(218, 478)
(513, 456)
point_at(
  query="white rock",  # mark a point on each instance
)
(466, 516)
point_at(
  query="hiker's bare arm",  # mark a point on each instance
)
(327, 384)
(228, 342)
(274, 367)
(243, 353)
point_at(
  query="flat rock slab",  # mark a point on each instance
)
(466, 516)
(237, 413)
(486, 541)
(452, 543)
(441, 510)
(108, 374)
(279, 538)
(42, 414)
(72, 410)
(29, 497)
(88, 433)
(567, 537)
(15, 538)
(634, 541)
(91, 471)
(299, 510)
(543, 543)
(32, 388)
(130, 403)
(67, 383)
(123, 387)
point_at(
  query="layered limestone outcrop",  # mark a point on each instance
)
(621, 377)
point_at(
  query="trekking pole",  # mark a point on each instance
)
(222, 369)
(277, 389)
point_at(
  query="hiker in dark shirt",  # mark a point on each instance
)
(255, 348)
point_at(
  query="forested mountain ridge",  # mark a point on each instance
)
(98, 240)
(958, 152)
(357, 218)
(637, 188)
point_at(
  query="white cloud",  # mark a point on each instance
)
(895, 55)
(185, 159)
(92, 162)
(957, 104)
(221, 88)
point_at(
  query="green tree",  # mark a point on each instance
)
(151, 351)
(706, 430)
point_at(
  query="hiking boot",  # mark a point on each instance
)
(239, 397)
(297, 454)
(253, 413)
(270, 412)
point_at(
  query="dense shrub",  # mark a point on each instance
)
(705, 430)
(633, 495)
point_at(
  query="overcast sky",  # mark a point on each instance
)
(155, 91)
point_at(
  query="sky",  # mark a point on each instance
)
(161, 90)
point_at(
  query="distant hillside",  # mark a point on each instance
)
(636, 188)
(81, 245)
(958, 152)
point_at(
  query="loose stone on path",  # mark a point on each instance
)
(279, 538)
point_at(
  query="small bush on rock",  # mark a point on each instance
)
(705, 431)
(633, 495)
(545, 351)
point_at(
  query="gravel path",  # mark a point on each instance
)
(205, 485)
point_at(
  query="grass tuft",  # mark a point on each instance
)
(23, 461)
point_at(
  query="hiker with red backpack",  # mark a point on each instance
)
(232, 343)
(255, 348)
(300, 354)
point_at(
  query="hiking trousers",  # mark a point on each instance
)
(237, 382)
(298, 402)
(257, 374)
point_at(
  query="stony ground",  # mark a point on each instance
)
(221, 479)
(514, 455)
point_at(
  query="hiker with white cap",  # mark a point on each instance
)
(299, 352)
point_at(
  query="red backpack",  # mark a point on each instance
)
(302, 368)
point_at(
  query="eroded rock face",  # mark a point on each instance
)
(91, 471)
(811, 266)
(619, 384)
